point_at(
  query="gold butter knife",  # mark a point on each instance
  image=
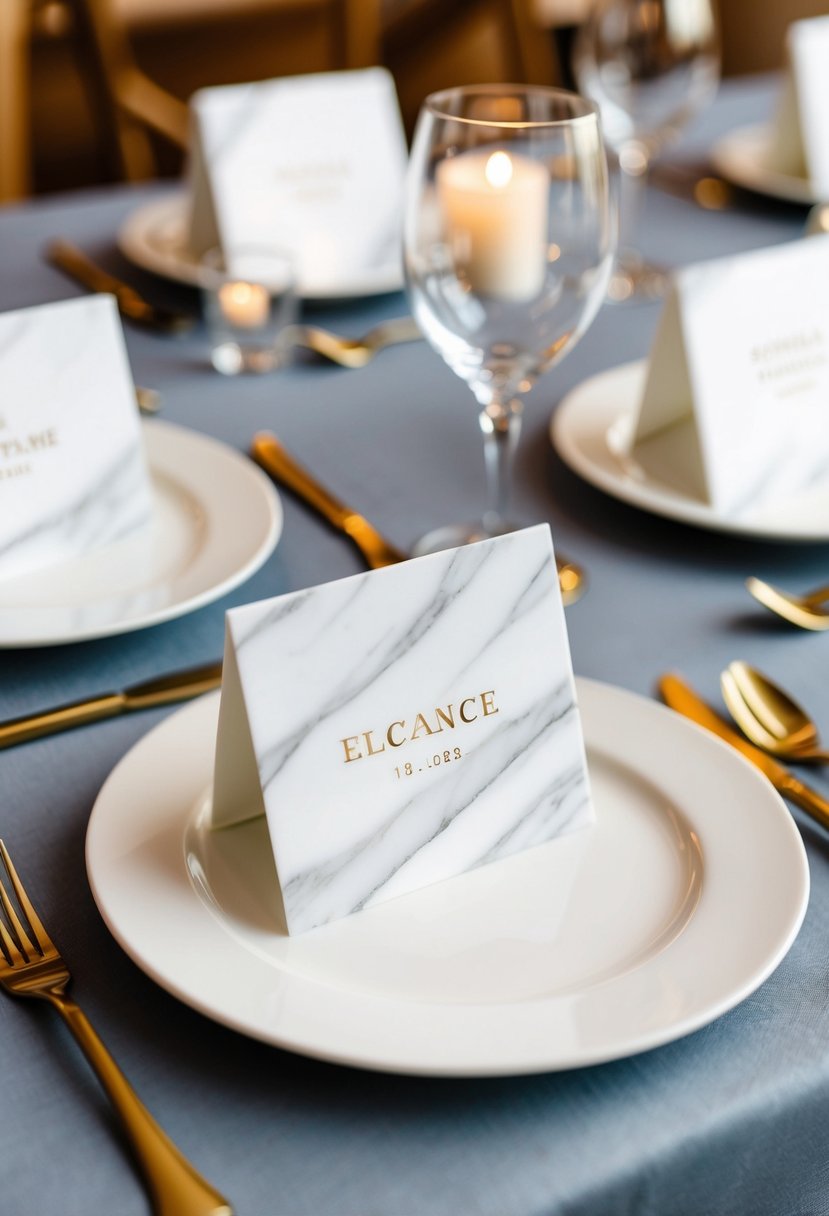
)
(276, 460)
(680, 697)
(131, 304)
(161, 691)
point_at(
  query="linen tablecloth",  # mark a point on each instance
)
(732, 1119)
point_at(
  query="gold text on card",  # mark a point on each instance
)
(372, 743)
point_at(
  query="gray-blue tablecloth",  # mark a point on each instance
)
(732, 1119)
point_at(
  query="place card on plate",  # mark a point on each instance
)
(735, 409)
(72, 470)
(799, 144)
(404, 725)
(312, 164)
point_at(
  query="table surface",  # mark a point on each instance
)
(731, 1119)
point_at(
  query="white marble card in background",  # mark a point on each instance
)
(72, 471)
(799, 144)
(310, 164)
(735, 410)
(404, 725)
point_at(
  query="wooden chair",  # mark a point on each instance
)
(132, 109)
(15, 28)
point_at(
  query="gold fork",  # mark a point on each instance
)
(30, 965)
(352, 352)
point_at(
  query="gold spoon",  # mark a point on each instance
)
(768, 716)
(808, 611)
(276, 460)
(352, 352)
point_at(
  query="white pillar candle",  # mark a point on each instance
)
(244, 305)
(495, 206)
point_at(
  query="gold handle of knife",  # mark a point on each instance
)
(34, 726)
(69, 258)
(270, 454)
(806, 798)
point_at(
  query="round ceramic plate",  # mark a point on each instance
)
(591, 430)
(741, 157)
(676, 905)
(154, 237)
(216, 518)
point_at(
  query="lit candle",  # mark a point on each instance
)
(244, 305)
(495, 210)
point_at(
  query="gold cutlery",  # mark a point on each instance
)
(768, 716)
(131, 304)
(352, 352)
(268, 452)
(160, 691)
(680, 697)
(149, 401)
(31, 966)
(808, 611)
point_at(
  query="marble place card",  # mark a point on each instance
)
(735, 409)
(72, 469)
(312, 164)
(402, 726)
(799, 144)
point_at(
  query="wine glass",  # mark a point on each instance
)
(650, 65)
(508, 243)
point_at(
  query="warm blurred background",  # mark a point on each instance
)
(90, 90)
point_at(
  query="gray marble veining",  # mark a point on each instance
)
(405, 725)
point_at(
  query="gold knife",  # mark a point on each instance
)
(131, 304)
(275, 459)
(677, 694)
(161, 691)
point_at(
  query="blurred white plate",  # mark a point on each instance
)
(591, 430)
(741, 158)
(154, 237)
(216, 518)
(605, 943)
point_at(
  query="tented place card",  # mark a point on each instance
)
(404, 725)
(312, 164)
(799, 145)
(735, 409)
(72, 469)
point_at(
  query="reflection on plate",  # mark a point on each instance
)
(216, 518)
(606, 943)
(741, 157)
(154, 237)
(591, 431)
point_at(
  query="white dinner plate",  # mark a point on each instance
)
(591, 431)
(679, 902)
(154, 237)
(216, 518)
(741, 157)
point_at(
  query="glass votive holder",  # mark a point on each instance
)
(250, 303)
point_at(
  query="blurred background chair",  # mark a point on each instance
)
(95, 90)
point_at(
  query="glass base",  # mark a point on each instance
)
(231, 359)
(635, 279)
(458, 534)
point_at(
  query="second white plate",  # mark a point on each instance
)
(675, 906)
(154, 237)
(591, 430)
(741, 157)
(216, 518)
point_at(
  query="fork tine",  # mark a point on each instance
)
(12, 953)
(44, 942)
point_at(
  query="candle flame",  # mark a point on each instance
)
(498, 171)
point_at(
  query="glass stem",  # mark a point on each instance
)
(500, 423)
(633, 172)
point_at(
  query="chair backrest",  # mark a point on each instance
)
(131, 108)
(15, 27)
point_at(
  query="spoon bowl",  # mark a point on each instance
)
(768, 716)
(809, 611)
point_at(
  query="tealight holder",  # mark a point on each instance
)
(249, 302)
